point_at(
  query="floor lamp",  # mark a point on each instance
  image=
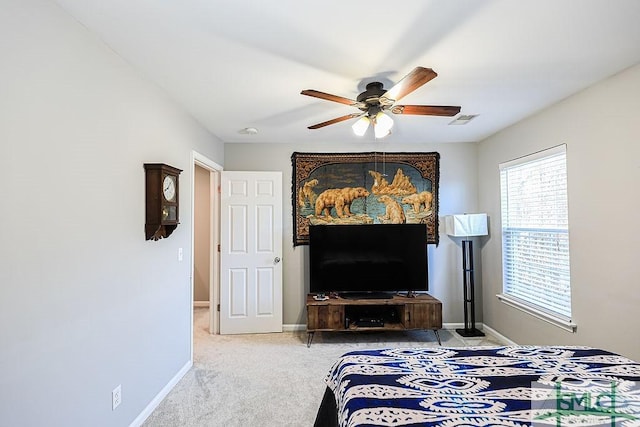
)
(465, 226)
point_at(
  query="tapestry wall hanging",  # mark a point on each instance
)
(364, 188)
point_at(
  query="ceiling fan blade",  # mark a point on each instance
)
(328, 97)
(336, 120)
(408, 84)
(426, 110)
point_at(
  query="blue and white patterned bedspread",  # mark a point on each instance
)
(482, 386)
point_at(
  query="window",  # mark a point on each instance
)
(535, 235)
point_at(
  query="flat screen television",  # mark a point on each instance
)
(361, 261)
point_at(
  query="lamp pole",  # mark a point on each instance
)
(467, 226)
(469, 329)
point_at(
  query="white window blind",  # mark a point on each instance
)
(535, 233)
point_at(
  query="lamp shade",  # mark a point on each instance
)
(466, 225)
(361, 125)
(382, 125)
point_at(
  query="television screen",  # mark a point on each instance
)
(375, 258)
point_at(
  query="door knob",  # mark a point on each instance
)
(276, 260)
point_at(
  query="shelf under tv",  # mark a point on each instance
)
(398, 313)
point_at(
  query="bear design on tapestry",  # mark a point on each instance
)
(393, 211)
(340, 199)
(306, 193)
(418, 200)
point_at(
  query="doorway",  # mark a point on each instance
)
(202, 249)
(205, 237)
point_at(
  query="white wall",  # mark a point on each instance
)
(458, 193)
(601, 129)
(85, 302)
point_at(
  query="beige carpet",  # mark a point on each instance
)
(269, 379)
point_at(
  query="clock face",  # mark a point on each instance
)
(169, 188)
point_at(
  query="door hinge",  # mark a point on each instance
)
(218, 247)
(218, 307)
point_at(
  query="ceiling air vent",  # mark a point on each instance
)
(463, 119)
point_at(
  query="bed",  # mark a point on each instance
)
(481, 386)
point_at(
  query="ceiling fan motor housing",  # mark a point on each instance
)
(372, 94)
(370, 98)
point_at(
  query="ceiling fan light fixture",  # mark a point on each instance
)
(361, 125)
(383, 125)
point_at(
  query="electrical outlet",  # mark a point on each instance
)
(116, 397)
(179, 254)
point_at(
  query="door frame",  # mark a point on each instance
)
(214, 238)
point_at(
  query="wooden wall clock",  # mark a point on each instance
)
(162, 201)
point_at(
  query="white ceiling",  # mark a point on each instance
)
(242, 63)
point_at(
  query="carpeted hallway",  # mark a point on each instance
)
(269, 379)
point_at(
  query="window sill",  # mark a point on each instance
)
(560, 322)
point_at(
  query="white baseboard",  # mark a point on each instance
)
(163, 393)
(484, 328)
(458, 326)
(498, 335)
(201, 303)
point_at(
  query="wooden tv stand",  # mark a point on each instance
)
(399, 313)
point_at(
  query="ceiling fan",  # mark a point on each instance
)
(375, 100)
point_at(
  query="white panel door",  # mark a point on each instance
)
(250, 252)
